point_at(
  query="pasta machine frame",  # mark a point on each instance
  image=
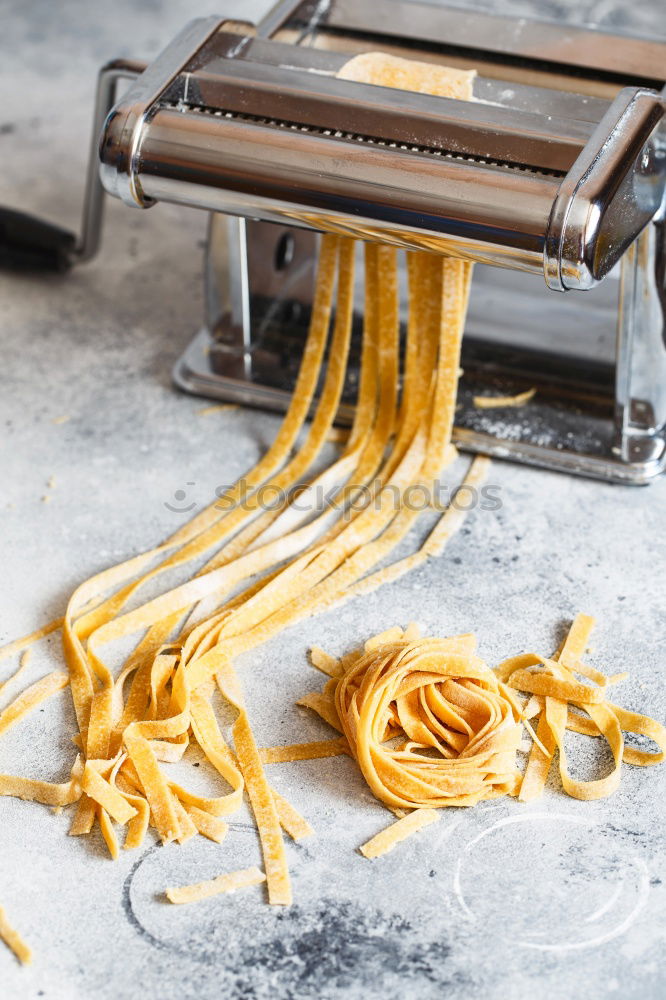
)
(556, 169)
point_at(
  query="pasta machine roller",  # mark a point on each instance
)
(551, 180)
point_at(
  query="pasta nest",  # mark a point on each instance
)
(430, 724)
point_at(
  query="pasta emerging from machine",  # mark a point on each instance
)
(323, 154)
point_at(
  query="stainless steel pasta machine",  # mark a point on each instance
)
(555, 170)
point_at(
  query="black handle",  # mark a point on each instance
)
(30, 244)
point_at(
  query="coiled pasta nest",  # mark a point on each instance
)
(430, 724)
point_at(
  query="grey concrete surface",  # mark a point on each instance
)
(560, 898)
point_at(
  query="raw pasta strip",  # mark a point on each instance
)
(576, 641)
(562, 689)
(323, 706)
(30, 698)
(383, 639)
(209, 738)
(138, 825)
(387, 839)
(84, 817)
(108, 833)
(106, 795)
(23, 665)
(10, 648)
(221, 884)
(259, 792)
(327, 664)
(208, 826)
(154, 786)
(304, 751)
(632, 722)
(556, 715)
(325, 413)
(448, 525)
(13, 940)
(188, 828)
(40, 791)
(291, 820)
(489, 402)
(46, 792)
(538, 764)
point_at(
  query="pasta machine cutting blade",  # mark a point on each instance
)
(556, 170)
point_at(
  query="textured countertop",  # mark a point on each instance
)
(501, 901)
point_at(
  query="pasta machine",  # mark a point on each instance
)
(551, 180)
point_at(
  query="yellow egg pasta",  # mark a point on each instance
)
(31, 697)
(490, 402)
(222, 884)
(427, 721)
(282, 565)
(291, 820)
(387, 839)
(303, 751)
(14, 940)
(431, 725)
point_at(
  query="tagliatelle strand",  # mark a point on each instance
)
(31, 697)
(261, 798)
(555, 681)
(490, 402)
(26, 641)
(303, 751)
(222, 884)
(13, 940)
(291, 820)
(211, 827)
(46, 792)
(389, 838)
(24, 663)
